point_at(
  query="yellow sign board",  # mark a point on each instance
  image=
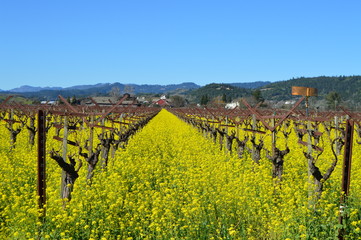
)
(304, 91)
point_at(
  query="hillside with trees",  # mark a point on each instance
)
(218, 92)
(332, 91)
(349, 88)
(250, 85)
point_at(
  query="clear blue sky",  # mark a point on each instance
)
(65, 43)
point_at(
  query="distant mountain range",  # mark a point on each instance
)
(27, 88)
(105, 88)
(144, 88)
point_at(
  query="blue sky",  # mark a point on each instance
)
(65, 43)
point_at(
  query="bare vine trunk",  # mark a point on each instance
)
(92, 159)
(229, 142)
(241, 146)
(32, 131)
(71, 173)
(256, 150)
(277, 162)
(320, 178)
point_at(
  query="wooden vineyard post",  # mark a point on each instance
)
(205, 123)
(273, 135)
(121, 120)
(102, 134)
(336, 134)
(226, 130)
(103, 120)
(64, 155)
(91, 135)
(113, 149)
(237, 130)
(212, 123)
(346, 175)
(11, 118)
(90, 149)
(309, 137)
(254, 128)
(42, 161)
(309, 152)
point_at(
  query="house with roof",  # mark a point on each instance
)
(110, 101)
(161, 102)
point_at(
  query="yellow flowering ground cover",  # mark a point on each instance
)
(172, 183)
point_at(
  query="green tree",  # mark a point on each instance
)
(73, 100)
(257, 95)
(333, 99)
(224, 97)
(178, 101)
(204, 99)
